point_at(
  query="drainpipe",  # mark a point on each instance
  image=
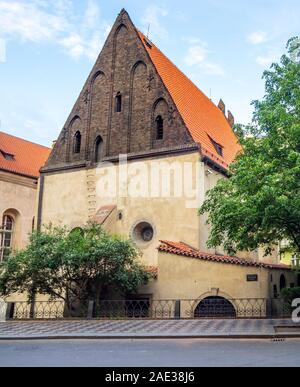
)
(40, 202)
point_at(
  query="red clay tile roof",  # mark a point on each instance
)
(28, 157)
(203, 118)
(187, 251)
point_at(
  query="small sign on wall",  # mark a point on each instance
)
(252, 278)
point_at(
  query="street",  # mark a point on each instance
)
(150, 353)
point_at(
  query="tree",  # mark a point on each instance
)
(259, 205)
(74, 266)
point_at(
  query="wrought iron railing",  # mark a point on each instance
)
(216, 307)
(44, 310)
(208, 308)
(135, 309)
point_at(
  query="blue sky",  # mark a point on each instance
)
(47, 50)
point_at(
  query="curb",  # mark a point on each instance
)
(163, 337)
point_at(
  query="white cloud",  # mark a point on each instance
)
(40, 22)
(272, 55)
(28, 21)
(73, 44)
(266, 60)
(197, 56)
(2, 51)
(257, 38)
(153, 18)
(213, 69)
(92, 14)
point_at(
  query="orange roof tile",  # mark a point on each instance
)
(205, 121)
(185, 250)
(28, 157)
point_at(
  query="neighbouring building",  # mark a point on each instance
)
(20, 162)
(136, 102)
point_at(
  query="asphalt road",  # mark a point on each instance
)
(150, 353)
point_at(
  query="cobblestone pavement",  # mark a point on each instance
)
(138, 328)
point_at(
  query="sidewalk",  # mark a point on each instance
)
(17, 330)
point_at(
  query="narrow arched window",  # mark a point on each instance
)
(159, 128)
(118, 103)
(77, 142)
(98, 149)
(282, 282)
(6, 236)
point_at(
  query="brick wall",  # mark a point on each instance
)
(122, 67)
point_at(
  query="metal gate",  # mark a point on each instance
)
(215, 307)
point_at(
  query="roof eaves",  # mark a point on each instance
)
(184, 250)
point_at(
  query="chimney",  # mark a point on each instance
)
(222, 106)
(230, 118)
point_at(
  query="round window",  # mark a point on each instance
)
(147, 234)
(143, 233)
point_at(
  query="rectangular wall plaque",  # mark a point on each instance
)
(252, 278)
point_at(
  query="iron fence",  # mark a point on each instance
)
(217, 307)
(42, 310)
(136, 309)
(208, 308)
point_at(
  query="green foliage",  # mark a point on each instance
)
(83, 264)
(260, 204)
(290, 294)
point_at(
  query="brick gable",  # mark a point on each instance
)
(123, 67)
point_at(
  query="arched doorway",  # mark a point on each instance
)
(214, 307)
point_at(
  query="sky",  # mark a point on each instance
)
(48, 48)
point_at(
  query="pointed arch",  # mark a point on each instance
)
(98, 149)
(139, 118)
(96, 75)
(74, 120)
(120, 27)
(160, 100)
(77, 142)
(117, 131)
(118, 102)
(98, 108)
(160, 119)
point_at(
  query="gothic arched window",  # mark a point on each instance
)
(77, 142)
(98, 149)
(6, 236)
(282, 282)
(159, 128)
(118, 103)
